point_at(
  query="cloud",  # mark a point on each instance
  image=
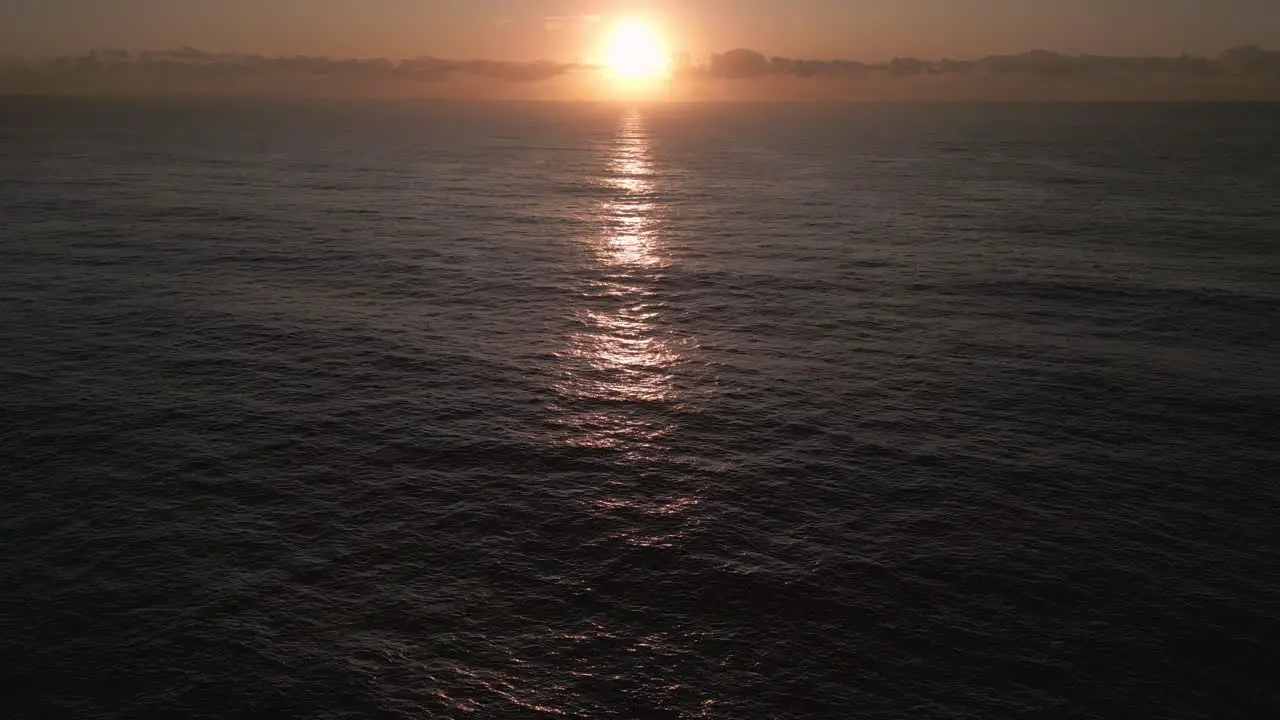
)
(1243, 62)
(1244, 73)
(191, 70)
(1241, 73)
(556, 23)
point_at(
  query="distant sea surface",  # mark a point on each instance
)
(410, 410)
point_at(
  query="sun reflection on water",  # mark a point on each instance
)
(621, 367)
(626, 383)
(620, 353)
(632, 213)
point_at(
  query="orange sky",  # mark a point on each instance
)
(559, 30)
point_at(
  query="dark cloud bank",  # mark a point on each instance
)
(1241, 73)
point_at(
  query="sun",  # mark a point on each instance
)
(635, 51)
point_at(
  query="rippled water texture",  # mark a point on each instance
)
(328, 410)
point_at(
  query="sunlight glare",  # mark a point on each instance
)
(635, 51)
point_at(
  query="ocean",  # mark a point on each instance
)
(381, 409)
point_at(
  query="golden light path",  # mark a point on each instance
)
(619, 355)
(625, 379)
(619, 368)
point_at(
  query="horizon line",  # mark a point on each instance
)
(182, 48)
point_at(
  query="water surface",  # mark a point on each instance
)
(391, 410)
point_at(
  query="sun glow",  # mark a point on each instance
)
(635, 51)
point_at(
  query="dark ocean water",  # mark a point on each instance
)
(379, 410)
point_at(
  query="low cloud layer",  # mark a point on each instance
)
(561, 22)
(191, 70)
(1245, 72)
(1247, 61)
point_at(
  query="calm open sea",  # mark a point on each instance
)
(398, 410)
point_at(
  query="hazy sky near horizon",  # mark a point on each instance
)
(569, 29)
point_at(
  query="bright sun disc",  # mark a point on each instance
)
(635, 51)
